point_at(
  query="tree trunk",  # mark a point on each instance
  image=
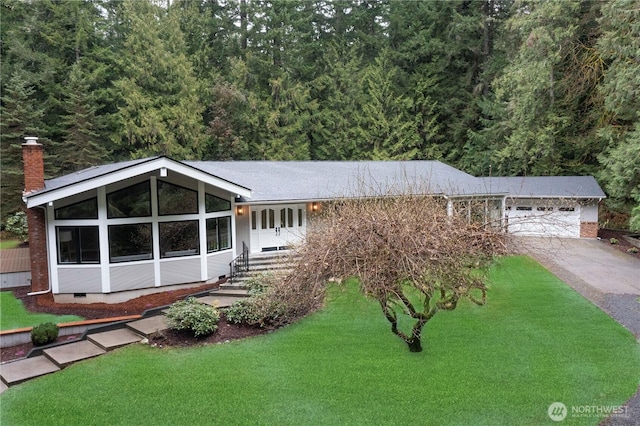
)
(415, 345)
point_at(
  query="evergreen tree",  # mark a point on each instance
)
(21, 116)
(159, 112)
(538, 122)
(619, 47)
(386, 128)
(82, 146)
(338, 92)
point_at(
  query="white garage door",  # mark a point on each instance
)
(546, 221)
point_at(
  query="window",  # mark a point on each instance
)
(174, 199)
(87, 209)
(78, 244)
(567, 209)
(132, 201)
(130, 242)
(544, 209)
(299, 217)
(253, 220)
(271, 223)
(216, 204)
(286, 218)
(218, 233)
(179, 238)
(526, 208)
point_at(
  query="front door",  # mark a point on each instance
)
(277, 227)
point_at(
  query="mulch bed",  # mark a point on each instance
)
(169, 338)
(622, 245)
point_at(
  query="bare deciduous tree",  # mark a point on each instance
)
(406, 251)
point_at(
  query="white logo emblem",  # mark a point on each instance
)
(557, 411)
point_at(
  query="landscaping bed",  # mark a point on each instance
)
(44, 303)
(622, 245)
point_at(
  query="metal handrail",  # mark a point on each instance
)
(240, 263)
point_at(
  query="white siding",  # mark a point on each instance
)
(218, 264)
(589, 211)
(131, 277)
(80, 280)
(180, 271)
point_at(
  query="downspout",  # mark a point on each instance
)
(46, 237)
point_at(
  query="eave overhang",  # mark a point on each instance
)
(44, 196)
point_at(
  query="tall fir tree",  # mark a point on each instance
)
(21, 116)
(619, 47)
(160, 112)
(81, 145)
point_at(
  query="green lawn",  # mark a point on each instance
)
(9, 244)
(534, 343)
(14, 315)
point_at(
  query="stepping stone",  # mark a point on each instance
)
(67, 354)
(219, 301)
(231, 292)
(24, 369)
(113, 339)
(148, 326)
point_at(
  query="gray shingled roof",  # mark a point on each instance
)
(318, 180)
(278, 181)
(90, 173)
(545, 186)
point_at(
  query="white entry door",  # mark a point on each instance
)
(277, 227)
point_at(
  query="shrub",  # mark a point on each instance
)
(17, 225)
(273, 300)
(632, 250)
(191, 315)
(44, 334)
(245, 311)
(242, 311)
(613, 241)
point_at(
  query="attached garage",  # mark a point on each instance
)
(552, 206)
(544, 218)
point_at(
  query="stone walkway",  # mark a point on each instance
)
(58, 357)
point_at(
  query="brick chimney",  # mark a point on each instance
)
(33, 166)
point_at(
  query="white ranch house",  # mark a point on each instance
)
(114, 232)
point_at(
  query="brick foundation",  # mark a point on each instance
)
(33, 166)
(588, 229)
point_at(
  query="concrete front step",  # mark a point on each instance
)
(22, 370)
(64, 355)
(229, 291)
(148, 326)
(110, 340)
(219, 301)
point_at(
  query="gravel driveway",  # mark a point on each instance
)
(607, 277)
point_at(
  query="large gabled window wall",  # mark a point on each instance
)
(142, 220)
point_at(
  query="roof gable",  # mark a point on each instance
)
(98, 176)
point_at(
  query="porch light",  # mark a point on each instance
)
(314, 207)
(240, 210)
(163, 172)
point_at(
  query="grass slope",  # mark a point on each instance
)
(14, 315)
(535, 342)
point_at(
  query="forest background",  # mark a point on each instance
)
(493, 87)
